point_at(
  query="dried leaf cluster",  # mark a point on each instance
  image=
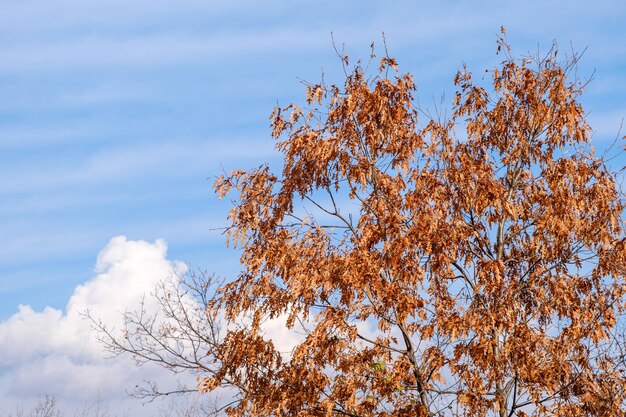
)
(468, 266)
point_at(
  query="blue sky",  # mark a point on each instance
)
(115, 116)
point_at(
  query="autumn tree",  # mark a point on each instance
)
(464, 266)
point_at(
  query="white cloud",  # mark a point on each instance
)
(284, 339)
(56, 352)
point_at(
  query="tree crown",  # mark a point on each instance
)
(464, 266)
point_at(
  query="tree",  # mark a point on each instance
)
(472, 265)
(46, 407)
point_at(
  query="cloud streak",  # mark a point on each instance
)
(146, 51)
(161, 159)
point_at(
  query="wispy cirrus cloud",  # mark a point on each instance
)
(161, 159)
(135, 51)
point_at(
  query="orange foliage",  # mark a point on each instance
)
(471, 266)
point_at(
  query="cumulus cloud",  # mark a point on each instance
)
(55, 352)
